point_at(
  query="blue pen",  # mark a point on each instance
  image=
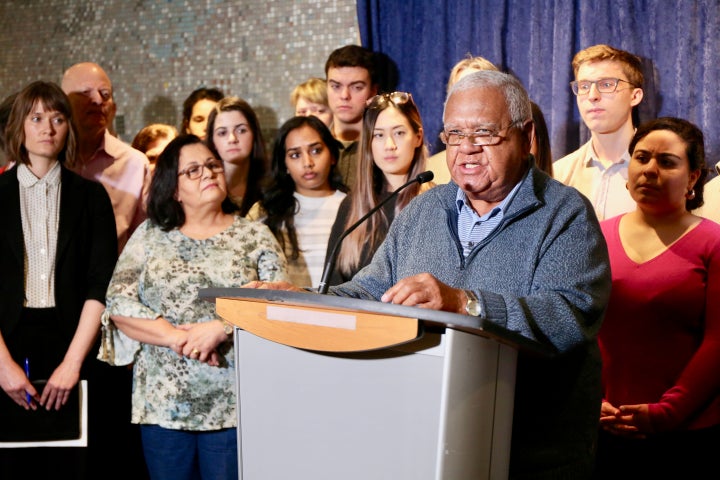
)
(28, 398)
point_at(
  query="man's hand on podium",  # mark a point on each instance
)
(425, 291)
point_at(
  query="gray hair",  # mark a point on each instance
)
(516, 98)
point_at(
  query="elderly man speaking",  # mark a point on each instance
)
(505, 242)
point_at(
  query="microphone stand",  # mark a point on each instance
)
(330, 261)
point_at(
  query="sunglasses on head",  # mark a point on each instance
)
(396, 98)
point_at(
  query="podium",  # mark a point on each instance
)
(336, 388)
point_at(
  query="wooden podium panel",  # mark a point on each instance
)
(333, 388)
(317, 328)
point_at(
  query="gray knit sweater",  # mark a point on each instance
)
(545, 273)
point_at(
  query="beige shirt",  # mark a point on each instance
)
(438, 165)
(603, 183)
(40, 214)
(711, 196)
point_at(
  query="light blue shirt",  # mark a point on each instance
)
(473, 228)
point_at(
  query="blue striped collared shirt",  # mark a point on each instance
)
(473, 228)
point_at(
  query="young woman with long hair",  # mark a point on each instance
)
(234, 136)
(303, 194)
(392, 150)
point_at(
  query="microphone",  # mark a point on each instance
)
(424, 177)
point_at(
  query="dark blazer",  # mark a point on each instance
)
(86, 250)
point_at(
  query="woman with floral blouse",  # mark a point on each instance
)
(184, 376)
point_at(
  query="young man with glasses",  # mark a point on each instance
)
(608, 84)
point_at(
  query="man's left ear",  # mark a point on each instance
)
(528, 130)
(637, 96)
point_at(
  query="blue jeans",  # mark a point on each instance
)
(185, 455)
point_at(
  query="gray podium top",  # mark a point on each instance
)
(431, 318)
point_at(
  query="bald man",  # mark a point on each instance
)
(125, 174)
(122, 170)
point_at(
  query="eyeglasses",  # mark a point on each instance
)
(397, 98)
(195, 171)
(604, 85)
(482, 136)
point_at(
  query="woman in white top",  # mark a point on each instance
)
(302, 195)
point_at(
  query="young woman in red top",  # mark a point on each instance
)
(660, 340)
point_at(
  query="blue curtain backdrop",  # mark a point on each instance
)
(536, 39)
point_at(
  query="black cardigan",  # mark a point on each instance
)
(86, 250)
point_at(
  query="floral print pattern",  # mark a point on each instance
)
(158, 275)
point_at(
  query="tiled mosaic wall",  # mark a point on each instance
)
(157, 51)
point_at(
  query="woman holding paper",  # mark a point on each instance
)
(59, 248)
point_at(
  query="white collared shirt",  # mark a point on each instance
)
(40, 214)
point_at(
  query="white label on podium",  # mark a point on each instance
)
(320, 319)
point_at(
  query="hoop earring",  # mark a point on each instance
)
(690, 194)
